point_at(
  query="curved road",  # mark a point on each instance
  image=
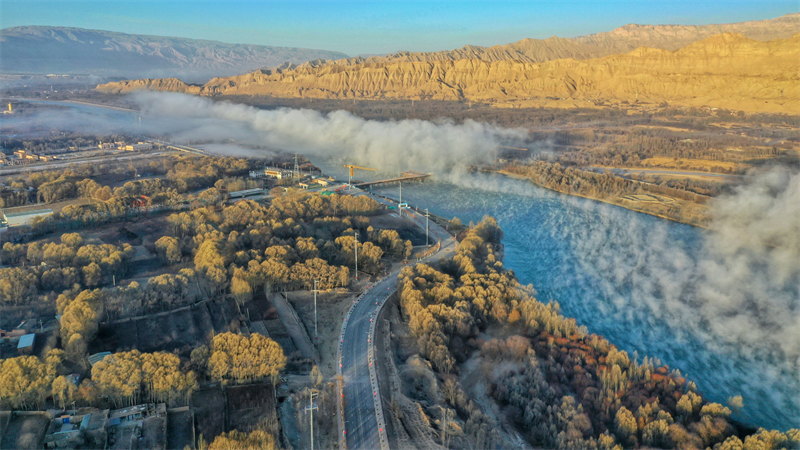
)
(360, 415)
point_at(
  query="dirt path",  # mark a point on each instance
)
(331, 309)
(294, 327)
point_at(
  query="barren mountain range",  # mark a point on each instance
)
(620, 40)
(59, 50)
(725, 71)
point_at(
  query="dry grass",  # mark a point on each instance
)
(689, 164)
(656, 127)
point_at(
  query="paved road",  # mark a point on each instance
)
(359, 408)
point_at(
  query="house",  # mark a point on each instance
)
(141, 146)
(274, 172)
(26, 343)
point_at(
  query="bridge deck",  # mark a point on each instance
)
(407, 176)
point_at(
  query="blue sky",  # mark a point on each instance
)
(363, 27)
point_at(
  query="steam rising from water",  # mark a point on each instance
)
(703, 301)
(441, 146)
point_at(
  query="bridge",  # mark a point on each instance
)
(404, 177)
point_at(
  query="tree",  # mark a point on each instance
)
(73, 240)
(736, 403)
(169, 250)
(316, 376)
(239, 358)
(92, 274)
(237, 440)
(63, 390)
(24, 382)
(127, 376)
(626, 426)
(241, 291)
(79, 322)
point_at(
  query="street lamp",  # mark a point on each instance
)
(426, 227)
(356, 250)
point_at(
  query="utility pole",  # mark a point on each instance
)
(401, 199)
(426, 227)
(316, 336)
(310, 408)
(356, 249)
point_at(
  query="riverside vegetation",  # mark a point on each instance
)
(559, 385)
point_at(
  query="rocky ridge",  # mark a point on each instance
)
(725, 71)
(620, 40)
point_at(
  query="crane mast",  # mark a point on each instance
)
(352, 168)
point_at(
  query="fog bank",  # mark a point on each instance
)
(392, 146)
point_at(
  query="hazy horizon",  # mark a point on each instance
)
(357, 28)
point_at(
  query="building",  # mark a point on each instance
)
(17, 219)
(246, 193)
(106, 146)
(83, 428)
(97, 357)
(26, 343)
(271, 172)
(141, 146)
(23, 155)
(12, 336)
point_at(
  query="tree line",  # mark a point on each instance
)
(133, 377)
(42, 269)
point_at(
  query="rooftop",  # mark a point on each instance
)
(97, 357)
(26, 341)
(29, 213)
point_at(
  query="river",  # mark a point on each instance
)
(607, 267)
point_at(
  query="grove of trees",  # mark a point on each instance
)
(236, 358)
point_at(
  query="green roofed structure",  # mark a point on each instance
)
(97, 357)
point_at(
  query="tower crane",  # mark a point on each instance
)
(352, 167)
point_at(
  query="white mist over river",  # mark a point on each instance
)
(618, 272)
(723, 307)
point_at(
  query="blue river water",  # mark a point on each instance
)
(598, 261)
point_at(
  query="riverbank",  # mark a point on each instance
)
(659, 205)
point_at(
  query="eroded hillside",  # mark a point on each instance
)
(726, 71)
(619, 40)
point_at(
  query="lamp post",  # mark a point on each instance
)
(355, 247)
(426, 227)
